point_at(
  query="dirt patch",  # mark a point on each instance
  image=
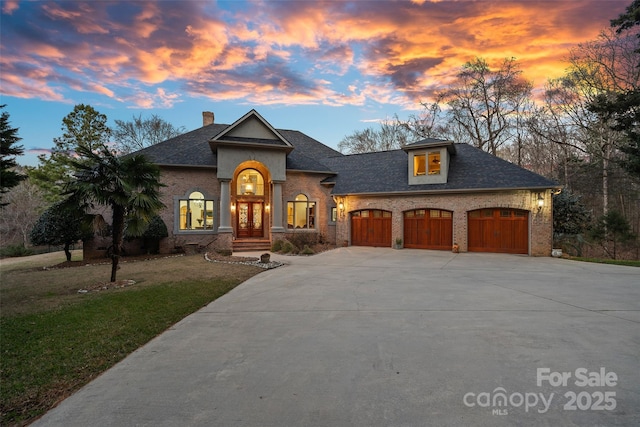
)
(100, 261)
(103, 286)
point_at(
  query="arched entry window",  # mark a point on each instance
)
(250, 183)
(196, 213)
(301, 213)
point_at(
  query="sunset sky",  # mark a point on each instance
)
(324, 68)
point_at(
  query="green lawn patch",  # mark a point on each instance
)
(49, 354)
(630, 263)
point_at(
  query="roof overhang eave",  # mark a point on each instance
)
(450, 191)
(216, 143)
(312, 171)
(174, 165)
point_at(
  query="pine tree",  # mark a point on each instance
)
(9, 178)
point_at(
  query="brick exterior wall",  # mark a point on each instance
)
(179, 182)
(309, 185)
(540, 223)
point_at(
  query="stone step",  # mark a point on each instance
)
(251, 245)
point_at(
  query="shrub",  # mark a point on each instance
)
(287, 247)
(276, 246)
(15, 251)
(299, 240)
(60, 225)
(307, 250)
(156, 230)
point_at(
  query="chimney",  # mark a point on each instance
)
(207, 118)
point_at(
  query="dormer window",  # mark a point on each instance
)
(419, 164)
(428, 161)
(434, 163)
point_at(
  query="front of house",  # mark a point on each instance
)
(245, 185)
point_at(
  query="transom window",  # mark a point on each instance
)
(196, 213)
(250, 183)
(432, 213)
(301, 213)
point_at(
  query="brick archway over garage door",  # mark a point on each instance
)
(498, 230)
(371, 227)
(428, 229)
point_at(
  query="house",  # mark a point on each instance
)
(247, 184)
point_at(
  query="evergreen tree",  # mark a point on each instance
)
(9, 178)
(83, 127)
(59, 226)
(612, 228)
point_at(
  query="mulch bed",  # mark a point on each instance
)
(231, 259)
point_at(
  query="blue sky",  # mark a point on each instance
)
(324, 68)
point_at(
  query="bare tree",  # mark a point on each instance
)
(142, 132)
(598, 69)
(429, 123)
(391, 135)
(483, 102)
(26, 203)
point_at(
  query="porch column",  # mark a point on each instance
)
(276, 210)
(225, 208)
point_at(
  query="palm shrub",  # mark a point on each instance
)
(129, 186)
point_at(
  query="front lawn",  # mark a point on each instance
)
(54, 339)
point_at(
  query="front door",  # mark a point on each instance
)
(249, 218)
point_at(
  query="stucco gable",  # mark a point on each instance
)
(251, 130)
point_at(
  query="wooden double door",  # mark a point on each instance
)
(250, 219)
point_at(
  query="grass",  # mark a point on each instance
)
(631, 263)
(54, 339)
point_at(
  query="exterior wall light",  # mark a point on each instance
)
(267, 207)
(540, 201)
(233, 207)
(341, 208)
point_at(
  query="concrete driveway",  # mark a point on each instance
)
(383, 337)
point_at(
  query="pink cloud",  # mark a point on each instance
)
(283, 52)
(10, 6)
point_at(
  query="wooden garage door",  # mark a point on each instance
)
(499, 230)
(428, 229)
(371, 227)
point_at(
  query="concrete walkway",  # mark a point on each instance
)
(383, 337)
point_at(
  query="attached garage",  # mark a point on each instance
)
(428, 229)
(371, 227)
(499, 230)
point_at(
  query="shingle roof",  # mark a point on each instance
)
(469, 169)
(192, 149)
(369, 173)
(308, 154)
(189, 149)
